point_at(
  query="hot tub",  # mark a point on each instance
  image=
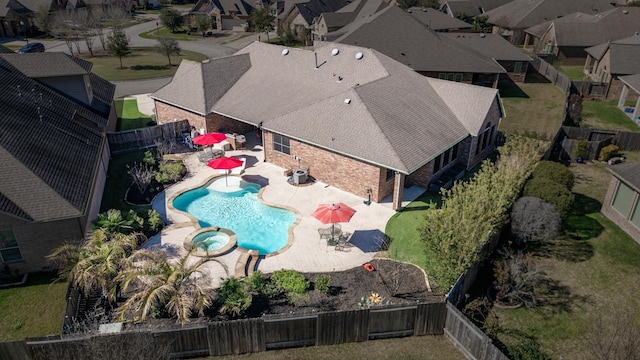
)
(210, 241)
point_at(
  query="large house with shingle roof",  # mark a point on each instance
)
(510, 20)
(53, 154)
(467, 9)
(607, 62)
(301, 16)
(353, 117)
(225, 14)
(329, 22)
(622, 201)
(404, 38)
(568, 37)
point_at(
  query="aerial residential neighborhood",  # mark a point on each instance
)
(402, 178)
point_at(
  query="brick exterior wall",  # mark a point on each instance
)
(492, 117)
(510, 66)
(340, 171)
(37, 240)
(615, 89)
(166, 113)
(421, 177)
(614, 215)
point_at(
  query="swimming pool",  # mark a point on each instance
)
(236, 207)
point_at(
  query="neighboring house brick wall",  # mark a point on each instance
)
(614, 215)
(570, 55)
(615, 89)
(37, 240)
(510, 67)
(340, 171)
(166, 113)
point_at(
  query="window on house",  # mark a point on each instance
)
(517, 68)
(436, 164)
(478, 143)
(458, 77)
(451, 76)
(454, 152)
(9, 250)
(442, 76)
(622, 199)
(390, 174)
(635, 217)
(281, 144)
(548, 48)
(603, 75)
(445, 157)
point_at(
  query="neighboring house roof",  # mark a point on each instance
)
(358, 9)
(490, 45)
(437, 20)
(472, 8)
(283, 7)
(313, 8)
(49, 159)
(57, 64)
(628, 173)
(521, 14)
(241, 7)
(397, 34)
(373, 108)
(584, 30)
(624, 55)
(632, 81)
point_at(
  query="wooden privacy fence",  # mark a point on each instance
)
(468, 338)
(251, 335)
(548, 71)
(568, 136)
(143, 138)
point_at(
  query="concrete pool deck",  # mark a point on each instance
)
(306, 252)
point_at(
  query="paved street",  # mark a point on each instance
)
(223, 44)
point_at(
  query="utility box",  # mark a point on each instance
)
(299, 177)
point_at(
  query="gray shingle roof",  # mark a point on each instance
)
(628, 173)
(624, 55)
(313, 8)
(584, 30)
(490, 45)
(437, 20)
(521, 14)
(48, 159)
(5, 50)
(402, 37)
(58, 64)
(395, 118)
(633, 81)
(472, 7)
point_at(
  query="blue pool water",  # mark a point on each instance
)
(257, 226)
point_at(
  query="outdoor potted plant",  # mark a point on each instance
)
(580, 151)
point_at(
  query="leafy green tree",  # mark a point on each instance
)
(171, 19)
(480, 24)
(43, 19)
(455, 233)
(118, 45)
(168, 46)
(434, 4)
(262, 19)
(177, 287)
(405, 4)
(203, 23)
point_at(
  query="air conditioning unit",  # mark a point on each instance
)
(299, 177)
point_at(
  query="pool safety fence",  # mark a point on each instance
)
(248, 335)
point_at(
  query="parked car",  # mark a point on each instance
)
(31, 48)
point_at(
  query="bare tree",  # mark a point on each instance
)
(168, 46)
(63, 26)
(615, 338)
(533, 219)
(164, 147)
(113, 17)
(141, 175)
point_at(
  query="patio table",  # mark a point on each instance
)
(330, 234)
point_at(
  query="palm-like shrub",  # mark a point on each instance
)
(160, 283)
(114, 221)
(97, 262)
(234, 298)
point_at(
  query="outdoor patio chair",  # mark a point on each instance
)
(343, 242)
(240, 169)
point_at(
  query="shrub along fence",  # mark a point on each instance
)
(252, 335)
(143, 138)
(468, 338)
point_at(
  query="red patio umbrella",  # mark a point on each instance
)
(224, 163)
(209, 139)
(333, 213)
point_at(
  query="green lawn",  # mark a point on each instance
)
(532, 108)
(118, 181)
(157, 65)
(129, 117)
(573, 72)
(605, 114)
(592, 275)
(33, 310)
